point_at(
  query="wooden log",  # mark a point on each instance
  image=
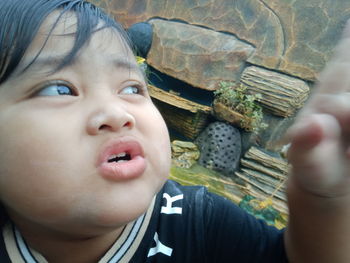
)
(184, 116)
(282, 95)
(279, 205)
(177, 101)
(273, 191)
(265, 178)
(264, 175)
(225, 113)
(262, 169)
(185, 122)
(276, 163)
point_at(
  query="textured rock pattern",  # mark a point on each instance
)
(220, 148)
(311, 30)
(296, 37)
(272, 138)
(198, 56)
(141, 35)
(184, 154)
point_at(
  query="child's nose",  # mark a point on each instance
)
(110, 118)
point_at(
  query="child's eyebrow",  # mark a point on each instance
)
(31, 65)
(126, 64)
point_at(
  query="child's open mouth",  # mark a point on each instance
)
(122, 159)
(119, 158)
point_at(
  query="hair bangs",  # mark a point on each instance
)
(20, 21)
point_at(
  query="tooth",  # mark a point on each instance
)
(121, 155)
(112, 157)
(121, 161)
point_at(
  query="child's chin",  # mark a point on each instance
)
(115, 219)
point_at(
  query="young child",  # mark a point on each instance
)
(85, 156)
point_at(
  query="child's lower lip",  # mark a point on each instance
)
(123, 170)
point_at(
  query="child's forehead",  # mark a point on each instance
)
(62, 29)
(59, 27)
(56, 37)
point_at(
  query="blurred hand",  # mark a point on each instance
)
(320, 137)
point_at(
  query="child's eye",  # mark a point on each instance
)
(131, 90)
(56, 89)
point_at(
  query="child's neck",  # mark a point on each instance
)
(78, 250)
(58, 248)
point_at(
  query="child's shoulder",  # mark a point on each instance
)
(174, 187)
(194, 200)
(192, 195)
(198, 202)
(188, 215)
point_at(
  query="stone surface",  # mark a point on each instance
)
(296, 37)
(220, 148)
(141, 35)
(184, 154)
(195, 55)
(311, 30)
(281, 95)
(180, 147)
(271, 138)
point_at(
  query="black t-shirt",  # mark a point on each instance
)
(183, 224)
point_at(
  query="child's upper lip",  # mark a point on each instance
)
(120, 145)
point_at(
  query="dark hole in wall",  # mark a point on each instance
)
(166, 82)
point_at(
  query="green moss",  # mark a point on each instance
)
(267, 213)
(215, 182)
(226, 187)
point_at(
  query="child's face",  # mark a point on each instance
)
(54, 169)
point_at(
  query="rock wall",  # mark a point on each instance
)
(275, 47)
(198, 56)
(295, 36)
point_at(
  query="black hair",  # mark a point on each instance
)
(20, 21)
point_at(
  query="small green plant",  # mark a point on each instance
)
(141, 62)
(235, 96)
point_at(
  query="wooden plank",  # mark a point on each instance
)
(177, 101)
